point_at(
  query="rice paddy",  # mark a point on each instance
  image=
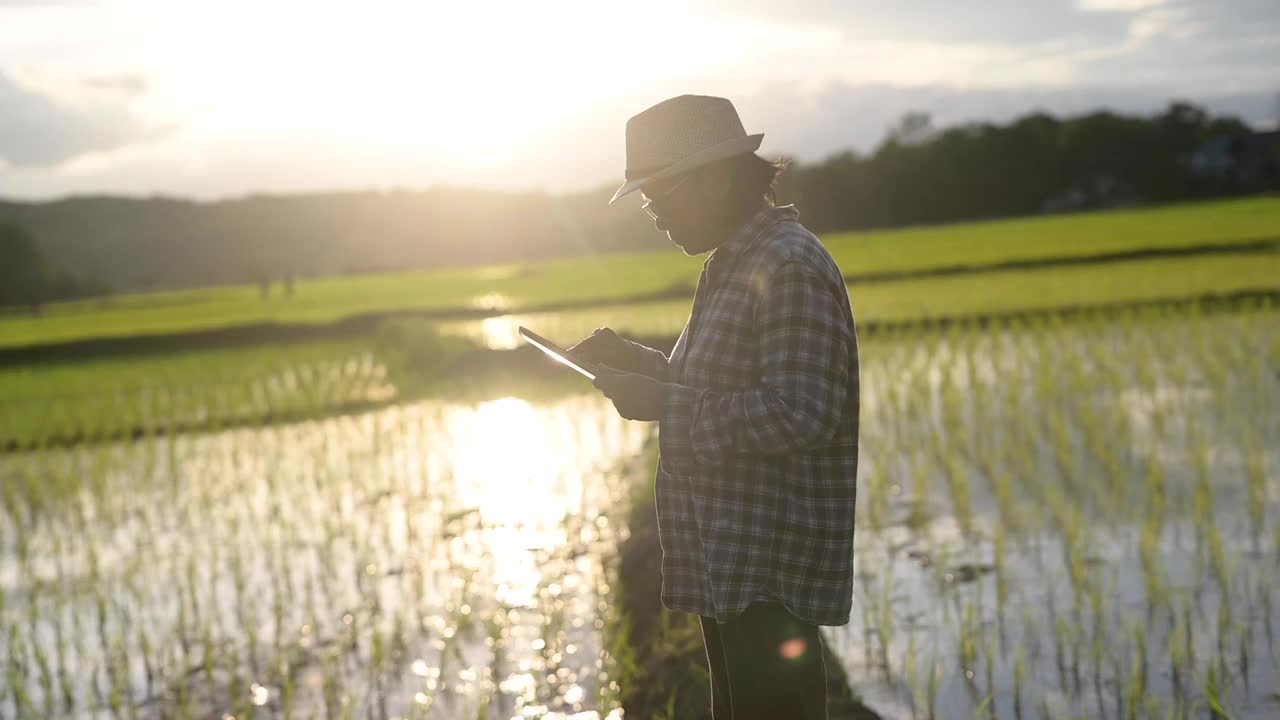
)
(207, 390)
(1056, 519)
(426, 560)
(911, 300)
(1070, 520)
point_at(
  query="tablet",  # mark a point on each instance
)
(556, 352)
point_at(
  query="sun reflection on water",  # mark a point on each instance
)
(455, 549)
(500, 333)
(513, 463)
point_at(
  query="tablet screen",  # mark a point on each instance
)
(556, 352)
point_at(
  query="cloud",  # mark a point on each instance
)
(1187, 46)
(844, 116)
(1118, 5)
(124, 83)
(994, 22)
(817, 76)
(40, 4)
(38, 130)
(589, 152)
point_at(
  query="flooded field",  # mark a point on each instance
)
(424, 561)
(1070, 520)
(1055, 519)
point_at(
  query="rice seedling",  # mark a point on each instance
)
(968, 647)
(931, 688)
(957, 482)
(989, 660)
(1256, 488)
(914, 690)
(1213, 693)
(1002, 581)
(884, 623)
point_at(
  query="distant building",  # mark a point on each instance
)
(1100, 190)
(1241, 162)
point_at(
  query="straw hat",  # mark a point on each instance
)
(680, 134)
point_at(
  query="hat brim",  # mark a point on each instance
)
(706, 156)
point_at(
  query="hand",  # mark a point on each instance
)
(634, 396)
(604, 347)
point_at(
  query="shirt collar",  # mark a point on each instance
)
(748, 232)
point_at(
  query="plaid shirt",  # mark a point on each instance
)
(758, 447)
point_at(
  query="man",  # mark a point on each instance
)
(757, 407)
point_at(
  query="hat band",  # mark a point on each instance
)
(644, 172)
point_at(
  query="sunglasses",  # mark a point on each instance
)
(648, 203)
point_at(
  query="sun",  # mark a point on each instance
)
(386, 92)
(461, 82)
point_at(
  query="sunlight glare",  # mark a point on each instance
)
(470, 83)
(518, 467)
(503, 458)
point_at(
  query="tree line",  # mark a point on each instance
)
(1036, 163)
(27, 279)
(918, 175)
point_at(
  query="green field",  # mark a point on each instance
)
(511, 288)
(203, 389)
(103, 398)
(956, 296)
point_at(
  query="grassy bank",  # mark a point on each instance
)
(179, 390)
(986, 295)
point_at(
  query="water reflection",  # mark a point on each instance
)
(499, 333)
(429, 558)
(1070, 521)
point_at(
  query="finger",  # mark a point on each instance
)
(609, 389)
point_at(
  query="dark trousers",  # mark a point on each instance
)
(766, 664)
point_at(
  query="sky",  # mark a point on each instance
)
(222, 99)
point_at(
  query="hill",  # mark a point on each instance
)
(919, 176)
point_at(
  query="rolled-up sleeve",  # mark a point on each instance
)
(804, 343)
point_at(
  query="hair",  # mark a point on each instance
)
(753, 183)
